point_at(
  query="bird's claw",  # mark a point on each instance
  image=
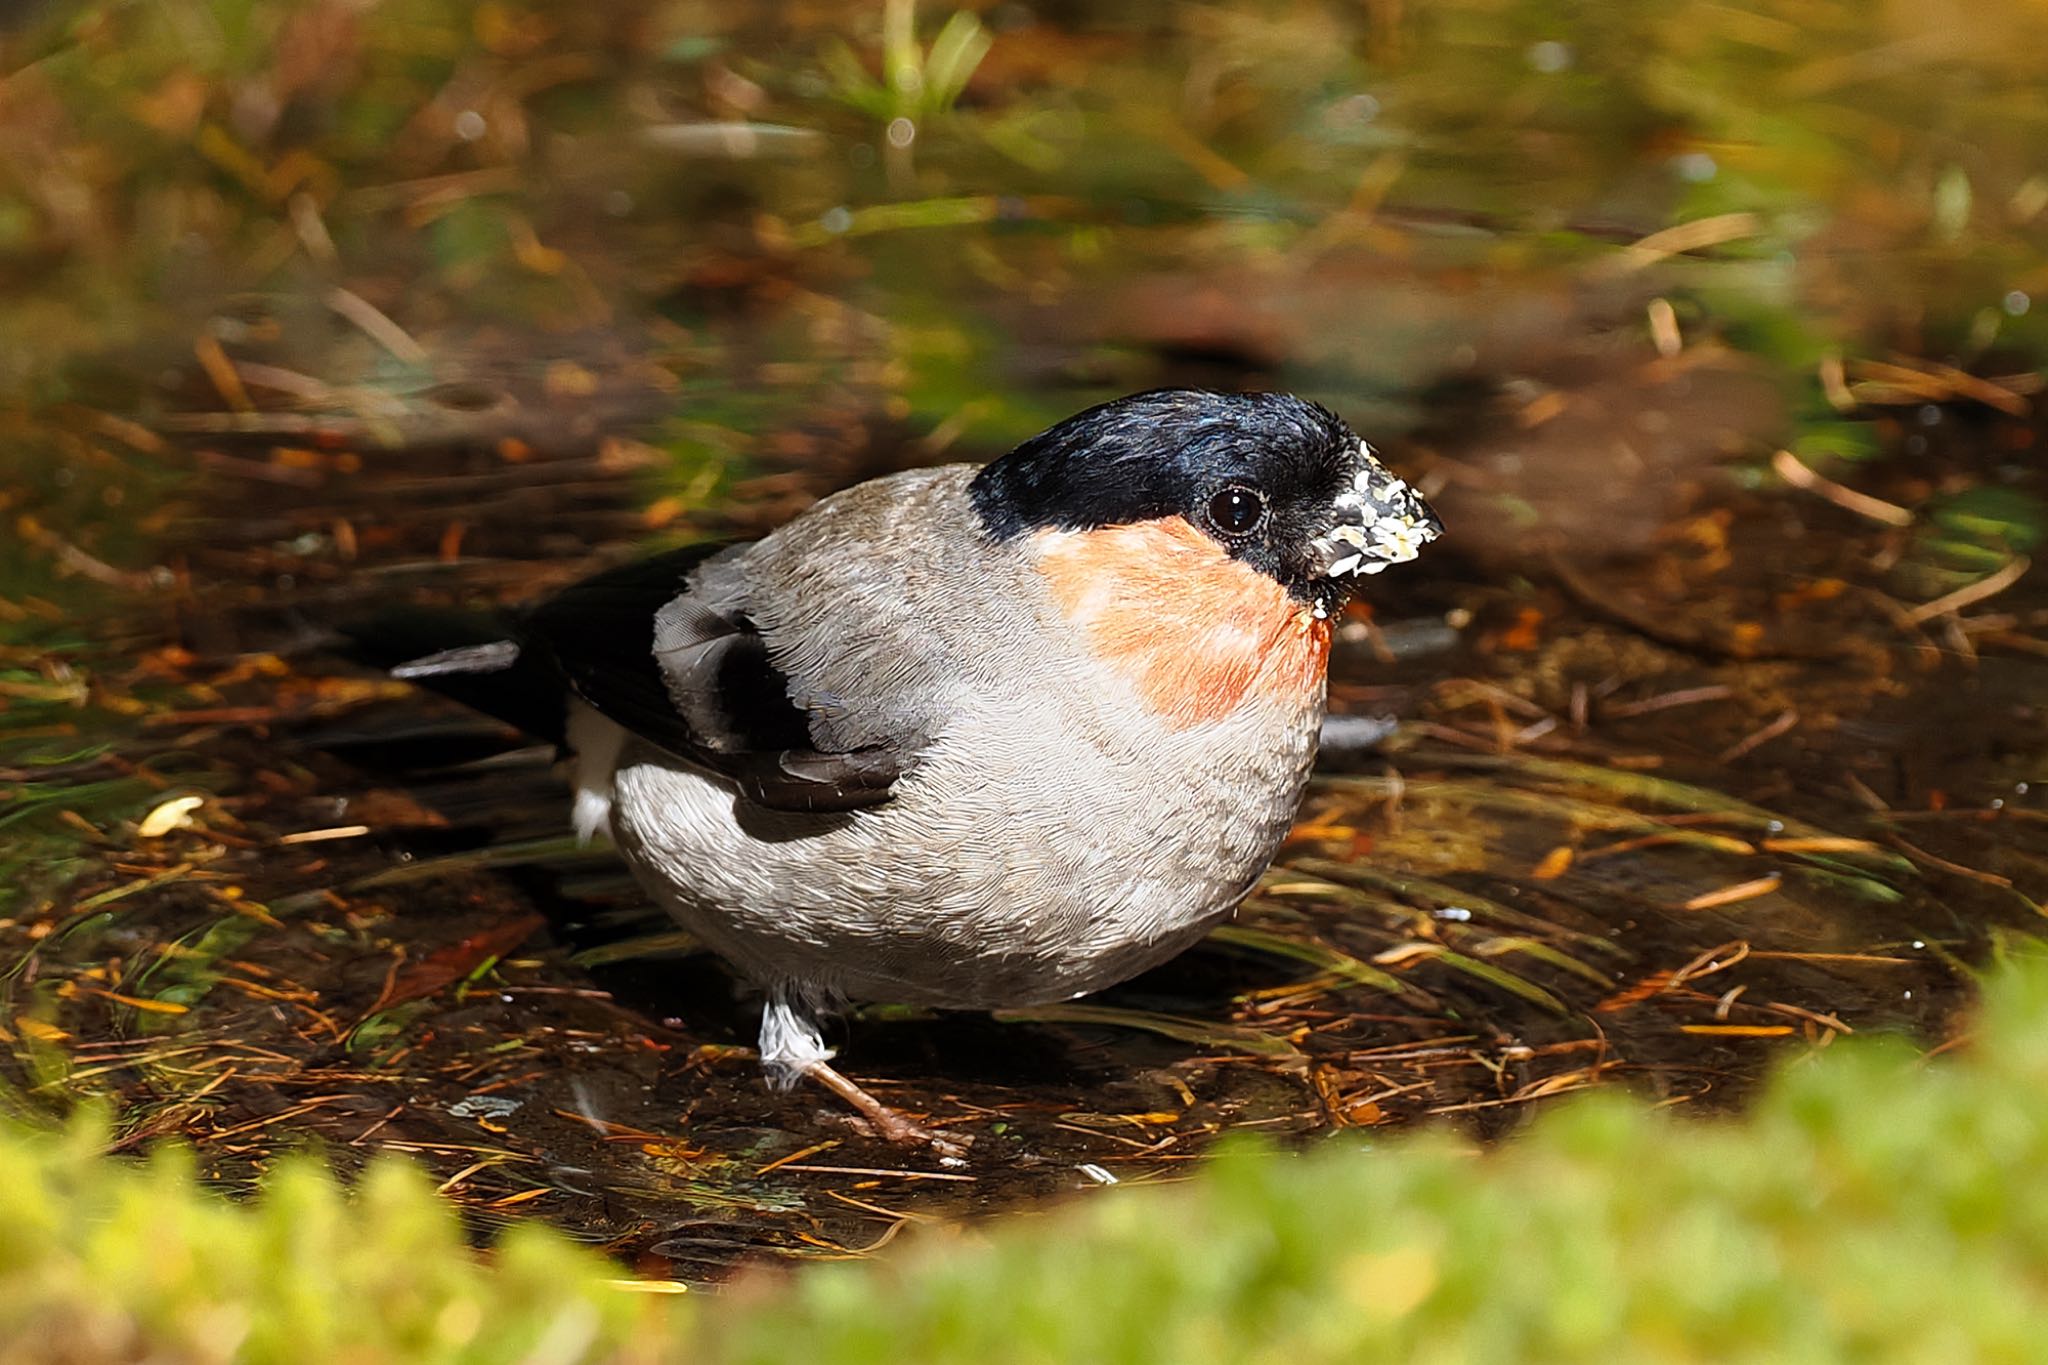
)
(949, 1148)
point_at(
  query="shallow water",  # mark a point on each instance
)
(1693, 770)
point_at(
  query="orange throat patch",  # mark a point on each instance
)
(1195, 632)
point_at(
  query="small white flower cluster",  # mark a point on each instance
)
(1384, 522)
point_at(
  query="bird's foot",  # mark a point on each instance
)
(950, 1148)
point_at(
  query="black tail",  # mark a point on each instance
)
(468, 657)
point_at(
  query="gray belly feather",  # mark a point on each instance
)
(1053, 837)
(1019, 864)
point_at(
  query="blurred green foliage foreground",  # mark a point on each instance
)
(1876, 1205)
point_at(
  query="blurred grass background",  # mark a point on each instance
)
(959, 224)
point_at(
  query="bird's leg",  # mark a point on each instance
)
(792, 1049)
(891, 1125)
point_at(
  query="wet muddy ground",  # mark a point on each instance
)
(1680, 757)
(1654, 818)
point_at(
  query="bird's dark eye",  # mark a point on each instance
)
(1237, 510)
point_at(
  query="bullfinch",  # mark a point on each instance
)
(972, 737)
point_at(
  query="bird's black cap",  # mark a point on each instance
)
(1188, 453)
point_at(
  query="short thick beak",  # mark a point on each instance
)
(1380, 520)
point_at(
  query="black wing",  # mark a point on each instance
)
(712, 698)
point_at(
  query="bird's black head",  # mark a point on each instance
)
(1279, 483)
